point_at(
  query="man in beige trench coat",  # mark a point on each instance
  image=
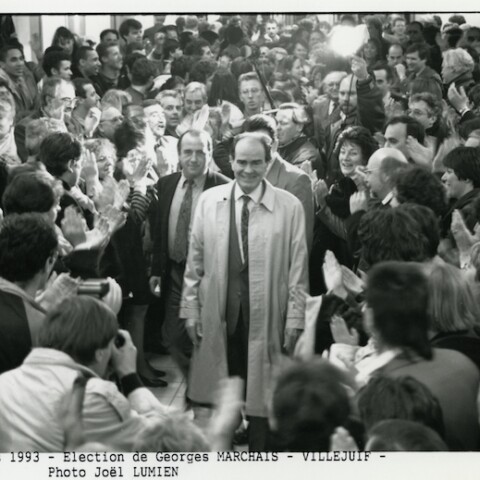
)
(245, 282)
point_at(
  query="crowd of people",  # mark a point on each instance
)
(297, 227)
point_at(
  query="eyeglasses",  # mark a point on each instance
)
(69, 102)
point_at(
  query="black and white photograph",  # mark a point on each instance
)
(249, 234)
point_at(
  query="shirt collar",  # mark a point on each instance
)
(388, 198)
(198, 182)
(256, 195)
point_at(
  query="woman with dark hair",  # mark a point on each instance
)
(300, 49)
(223, 88)
(354, 147)
(372, 51)
(125, 258)
(64, 39)
(223, 93)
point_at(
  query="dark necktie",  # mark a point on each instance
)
(183, 223)
(244, 227)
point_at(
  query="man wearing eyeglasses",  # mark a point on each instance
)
(178, 196)
(57, 101)
(251, 94)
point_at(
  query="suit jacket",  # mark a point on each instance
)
(161, 212)
(21, 131)
(322, 119)
(454, 380)
(278, 282)
(294, 180)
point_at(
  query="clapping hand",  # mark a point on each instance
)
(358, 202)
(200, 118)
(342, 441)
(89, 165)
(341, 333)
(74, 227)
(320, 191)
(57, 289)
(463, 238)
(332, 274)
(92, 120)
(306, 166)
(417, 152)
(457, 98)
(115, 218)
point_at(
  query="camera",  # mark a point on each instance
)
(119, 340)
(96, 287)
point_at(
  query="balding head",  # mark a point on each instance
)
(331, 84)
(383, 153)
(382, 168)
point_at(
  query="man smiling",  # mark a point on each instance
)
(245, 282)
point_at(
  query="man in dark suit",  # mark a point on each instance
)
(178, 196)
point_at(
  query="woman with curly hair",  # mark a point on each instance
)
(354, 147)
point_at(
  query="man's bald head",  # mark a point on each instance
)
(385, 152)
(331, 84)
(383, 167)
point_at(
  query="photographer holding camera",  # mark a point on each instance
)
(79, 337)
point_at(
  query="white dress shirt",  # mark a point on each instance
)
(255, 198)
(177, 200)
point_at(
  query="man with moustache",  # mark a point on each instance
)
(245, 282)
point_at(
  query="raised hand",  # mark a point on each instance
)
(92, 120)
(89, 165)
(61, 287)
(457, 98)
(358, 202)
(74, 227)
(463, 238)
(341, 333)
(342, 441)
(320, 192)
(115, 217)
(418, 153)
(200, 118)
(306, 166)
(332, 272)
(359, 68)
(98, 237)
